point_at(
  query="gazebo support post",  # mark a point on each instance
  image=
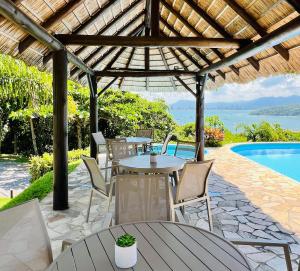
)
(93, 113)
(200, 86)
(60, 130)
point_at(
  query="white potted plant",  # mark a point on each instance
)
(125, 251)
(153, 157)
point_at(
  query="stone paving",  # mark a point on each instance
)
(13, 175)
(247, 200)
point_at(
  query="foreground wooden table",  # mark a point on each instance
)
(161, 246)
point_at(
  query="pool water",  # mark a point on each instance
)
(281, 157)
(187, 153)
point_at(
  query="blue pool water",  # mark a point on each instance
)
(188, 153)
(281, 157)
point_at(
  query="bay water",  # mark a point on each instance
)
(232, 118)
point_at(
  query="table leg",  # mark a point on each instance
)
(176, 177)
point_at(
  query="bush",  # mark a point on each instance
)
(39, 189)
(39, 165)
(267, 132)
(213, 136)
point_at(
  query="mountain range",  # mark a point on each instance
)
(241, 105)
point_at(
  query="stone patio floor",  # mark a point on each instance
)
(248, 200)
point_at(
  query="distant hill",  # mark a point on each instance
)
(241, 105)
(285, 110)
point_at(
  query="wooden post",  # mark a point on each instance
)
(200, 86)
(60, 131)
(93, 114)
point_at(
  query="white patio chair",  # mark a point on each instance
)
(193, 187)
(24, 241)
(141, 198)
(187, 150)
(149, 133)
(99, 185)
(266, 243)
(100, 143)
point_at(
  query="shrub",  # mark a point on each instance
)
(39, 165)
(39, 189)
(213, 137)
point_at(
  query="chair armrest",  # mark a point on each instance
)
(179, 217)
(107, 222)
(267, 243)
(66, 243)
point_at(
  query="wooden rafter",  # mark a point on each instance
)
(112, 22)
(217, 27)
(195, 51)
(167, 67)
(281, 34)
(96, 51)
(121, 41)
(295, 4)
(58, 15)
(195, 32)
(127, 66)
(259, 29)
(155, 14)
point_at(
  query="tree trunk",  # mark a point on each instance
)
(35, 149)
(79, 138)
(15, 144)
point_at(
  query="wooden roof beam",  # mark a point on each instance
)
(121, 41)
(142, 73)
(295, 4)
(58, 15)
(96, 51)
(197, 52)
(127, 66)
(155, 14)
(217, 27)
(195, 32)
(167, 67)
(281, 34)
(113, 21)
(16, 15)
(111, 50)
(252, 22)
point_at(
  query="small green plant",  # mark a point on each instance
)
(125, 240)
(153, 153)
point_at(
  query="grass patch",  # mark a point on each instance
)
(3, 201)
(13, 158)
(39, 189)
(230, 137)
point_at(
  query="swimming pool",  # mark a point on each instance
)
(281, 157)
(188, 153)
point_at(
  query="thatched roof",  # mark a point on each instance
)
(187, 18)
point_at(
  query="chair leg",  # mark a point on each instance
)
(106, 165)
(89, 208)
(110, 195)
(209, 214)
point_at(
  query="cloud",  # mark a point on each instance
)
(273, 86)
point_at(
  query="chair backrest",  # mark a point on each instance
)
(24, 242)
(142, 198)
(122, 150)
(164, 146)
(186, 149)
(194, 180)
(97, 179)
(100, 141)
(109, 142)
(149, 133)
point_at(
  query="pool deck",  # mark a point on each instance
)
(248, 200)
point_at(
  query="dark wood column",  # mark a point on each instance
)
(60, 131)
(200, 86)
(93, 113)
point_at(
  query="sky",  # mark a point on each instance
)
(273, 86)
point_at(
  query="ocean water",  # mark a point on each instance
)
(281, 157)
(232, 118)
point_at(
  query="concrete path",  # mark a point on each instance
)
(13, 175)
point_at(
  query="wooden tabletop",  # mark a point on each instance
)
(138, 140)
(165, 164)
(161, 246)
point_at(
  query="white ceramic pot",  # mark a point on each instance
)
(153, 158)
(125, 257)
